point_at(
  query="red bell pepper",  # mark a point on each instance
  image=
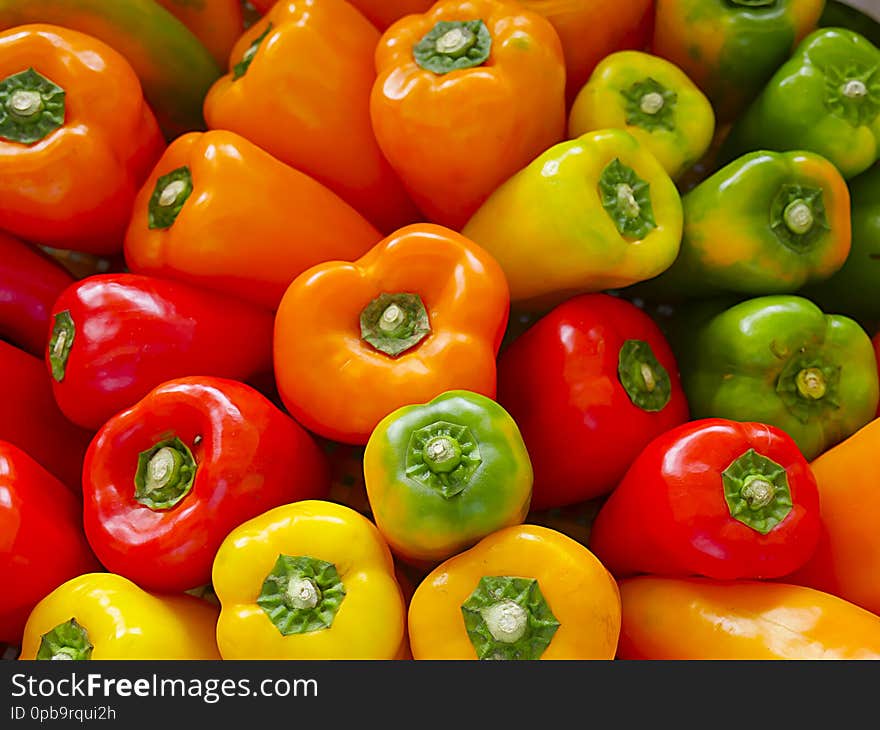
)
(42, 544)
(590, 384)
(166, 480)
(30, 418)
(715, 498)
(117, 336)
(30, 282)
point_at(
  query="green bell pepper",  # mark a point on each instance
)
(840, 15)
(441, 476)
(852, 290)
(727, 244)
(780, 360)
(825, 99)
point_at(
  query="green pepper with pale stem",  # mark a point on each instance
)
(825, 99)
(780, 360)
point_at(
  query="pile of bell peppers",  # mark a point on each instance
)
(439, 329)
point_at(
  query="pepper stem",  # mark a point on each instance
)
(31, 107)
(452, 45)
(442, 454)
(165, 474)
(395, 323)
(652, 103)
(627, 200)
(303, 593)
(798, 216)
(855, 89)
(455, 42)
(24, 104)
(811, 383)
(68, 641)
(507, 621)
(758, 492)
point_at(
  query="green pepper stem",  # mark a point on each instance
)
(24, 104)
(652, 103)
(798, 217)
(165, 474)
(811, 383)
(758, 492)
(454, 41)
(303, 593)
(648, 376)
(68, 641)
(855, 89)
(507, 621)
(442, 454)
(171, 193)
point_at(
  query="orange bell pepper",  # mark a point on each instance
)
(383, 13)
(467, 94)
(847, 560)
(77, 139)
(523, 592)
(590, 30)
(299, 86)
(222, 214)
(216, 23)
(421, 313)
(702, 619)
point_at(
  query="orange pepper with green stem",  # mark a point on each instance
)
(421, 313)
(220, 213)
(216, 23)
(299, 86)
(466, 95)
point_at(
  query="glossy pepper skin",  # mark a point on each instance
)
(43, 543)
(605, 211)
(846, 561)
(222, 214)
(217, 24)
(442, 475)
(702, 619)
(589, 384)
(466, 94)
(308, 61)
(766, 223)
(825, 99)
(30, 417)
(310, 580)
(731, 48)
(557, 601)
(654, 101)
(77, 139)
(106, 616)
(780, 360)
(174, 68)
(422, 312)
(166, 480)
(30, 282)
(711, 497)
(115, 337)
(846, 291)
(590, 31)
(382, 13)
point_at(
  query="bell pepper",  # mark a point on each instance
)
(702, 619)
(442, 475)
(77, 139)
(824, 99)
(41, 539)
(767, 223)
(217, 24)
(522, 593)
(848, 556)
(606, 214)
(780, 360)
(841, 15)
(590, 384)
(105, 616)
(310, 580)
(30, 418)
(382, 13)
(166, 480)
(299, 86)
(715, 498)
(731, 48)
(30, 282)
(847, 291)
(117, 336)
(589, 31)
(654, 101)
(466, 94)
(174, 68)
(421, 313)
(221, 213)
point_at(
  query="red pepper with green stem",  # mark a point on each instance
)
(166, 480)
(30, 282)
(117, 336)
(589, 385)
(713, 497)
(41, 540)
(30, 418)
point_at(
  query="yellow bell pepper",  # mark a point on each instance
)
(654, 101)
(308, 580)
(594, 213)
(523, 592)
(106, 616)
